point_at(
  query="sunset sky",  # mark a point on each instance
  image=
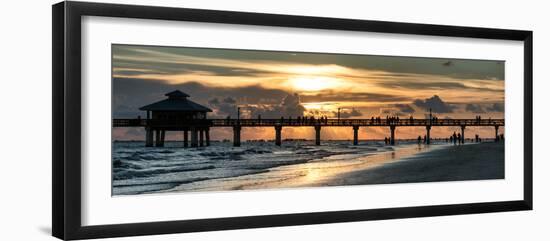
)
(272, 84)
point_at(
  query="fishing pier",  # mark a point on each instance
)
(177, 113)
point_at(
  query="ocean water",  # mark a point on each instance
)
(138, 170)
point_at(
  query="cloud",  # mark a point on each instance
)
(435, 103)
(129, 94)
(352, 113)
(227, 107)
(404, 108)
(229, 100)
(238, 62)
(328, 96)
(290, 105)
(496, 107)
(418, 84)
(475, 108)
(214, 101)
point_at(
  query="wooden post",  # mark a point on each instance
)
(462, 129)
(428, 128)
(392, 135)
(355, 135)
(236, 135)
(201, 137)
(207, 132)
(194, 137)
(162, 135)
(185, 138)
(278, 129)
(496, 133)
(148, 137)
(157, 137)
(317, 135)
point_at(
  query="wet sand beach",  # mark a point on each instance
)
(400, 164)
(452, 163)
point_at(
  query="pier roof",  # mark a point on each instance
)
(176, 101)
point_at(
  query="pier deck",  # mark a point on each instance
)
(200, 128)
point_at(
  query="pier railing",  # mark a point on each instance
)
(307, 122)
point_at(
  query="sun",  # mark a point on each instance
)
(313, 83)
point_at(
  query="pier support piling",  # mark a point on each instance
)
(157, 137)
(236, 135)
(278, 129)
(148, 137)
(162, 135)
(185, 138)
(462, 129)
(392, 135)
(317, 135)
(496, 133)
(207, 133)
(194, 137)
(201, 137)
(355, 135)
(428, 128)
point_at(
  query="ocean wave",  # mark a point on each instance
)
(120, 174)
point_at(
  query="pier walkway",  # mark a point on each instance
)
(199, 128)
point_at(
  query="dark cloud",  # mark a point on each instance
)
(422, 85)
(460, 68)
(348, 114)
(496, 107)
(227, 107)
(129, 94)
(290, 106)
(214, 101)
(347, 96)
(475, 108)
(229, 100)
(153, 67)
(404, 108)
(435, 103)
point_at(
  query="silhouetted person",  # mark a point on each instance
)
(454, 138)
(459, 138)
(419, 139)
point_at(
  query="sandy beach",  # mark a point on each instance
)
(451, 163)
(400, 164)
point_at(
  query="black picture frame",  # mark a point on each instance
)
(66, 164)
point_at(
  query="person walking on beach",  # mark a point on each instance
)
(419, 139)
(459, 138)
(454, 138)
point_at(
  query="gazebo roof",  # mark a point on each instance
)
(177, 101)
(176, 94)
